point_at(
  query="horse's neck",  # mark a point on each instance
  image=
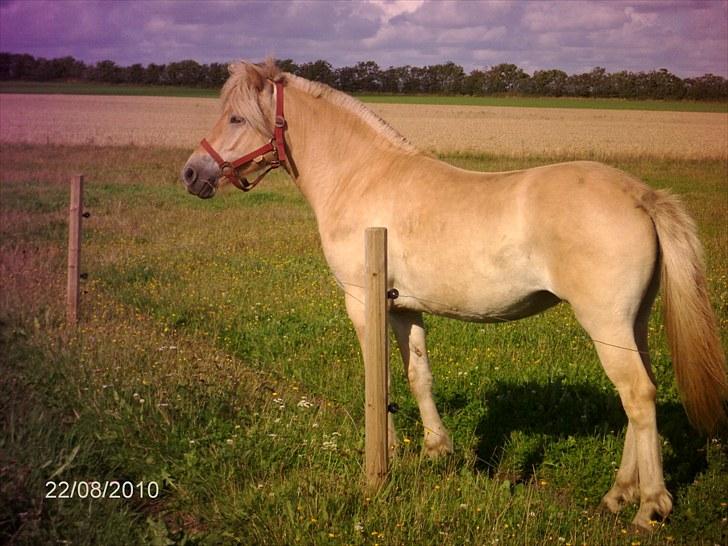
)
(334, 150)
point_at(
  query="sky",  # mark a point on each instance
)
(689, 38)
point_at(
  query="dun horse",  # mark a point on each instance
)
(486, 247)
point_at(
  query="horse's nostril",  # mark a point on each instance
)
(190, 175)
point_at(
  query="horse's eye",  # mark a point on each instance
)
(236, 119)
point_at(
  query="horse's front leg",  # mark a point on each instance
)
(410, 333)
(355, 310)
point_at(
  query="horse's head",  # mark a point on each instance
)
(248, 137)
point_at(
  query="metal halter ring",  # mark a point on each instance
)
(227, 170)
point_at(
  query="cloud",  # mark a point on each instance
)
(392, 8)
(454, 14)
(688, 38)
(573, 16)
(474, 35)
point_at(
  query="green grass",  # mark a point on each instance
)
(553, 102)
(215, 358)
(86, 88)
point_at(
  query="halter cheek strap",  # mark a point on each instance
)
(279, 136)
(277, 145)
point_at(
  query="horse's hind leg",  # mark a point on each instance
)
(626, 485)
(410, 333)
(641, 467)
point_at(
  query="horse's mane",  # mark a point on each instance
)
(246, 80)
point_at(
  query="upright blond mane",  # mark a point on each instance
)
(241, 91)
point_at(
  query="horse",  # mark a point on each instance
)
(486, 247)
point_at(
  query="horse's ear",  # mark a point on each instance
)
(254, 77)
(251, 74)
(271, 69)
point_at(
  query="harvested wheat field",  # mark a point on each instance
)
(182, 122)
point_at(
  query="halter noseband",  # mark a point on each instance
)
(277, 145)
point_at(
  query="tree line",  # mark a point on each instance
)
(368, 77)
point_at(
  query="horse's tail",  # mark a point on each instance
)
(692, 331)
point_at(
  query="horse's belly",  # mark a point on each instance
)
(488, 298)
(530, 304)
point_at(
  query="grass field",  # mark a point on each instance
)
(553, 102)
(82, 88)
(214, 358)
(85, 88)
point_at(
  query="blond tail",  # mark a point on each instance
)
(692, 331)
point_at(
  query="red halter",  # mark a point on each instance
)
(277, 145)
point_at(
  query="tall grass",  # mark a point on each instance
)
(214, 357)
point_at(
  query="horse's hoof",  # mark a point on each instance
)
(609, 506)
(438, 444)
(641, 525)
(652, 510)
(619, 496)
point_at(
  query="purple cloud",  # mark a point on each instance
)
(687, 37)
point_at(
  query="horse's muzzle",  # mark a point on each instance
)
(201, 186)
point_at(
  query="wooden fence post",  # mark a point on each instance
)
(74, 248)
(376, 365)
